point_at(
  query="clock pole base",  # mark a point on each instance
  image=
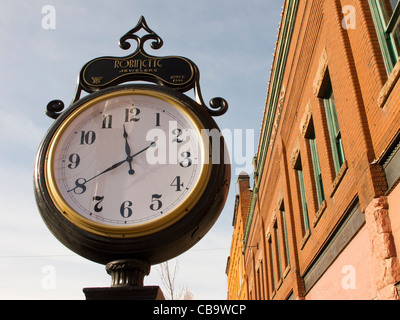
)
(127, 283)
(129, 272)
(124, 293)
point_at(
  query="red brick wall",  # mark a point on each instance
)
(367, 103)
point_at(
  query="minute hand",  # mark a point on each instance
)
(116, 165)
(107, 170)
(129, 158)
(153, 144)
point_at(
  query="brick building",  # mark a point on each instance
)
(322, 220)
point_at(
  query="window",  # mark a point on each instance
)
(272, 272)
(386, 16)
(278, 251)
(262, 281)
(258, 289)
(300, 179)
(285, 234)
(333, 128)
(316, 166)
(240, 272)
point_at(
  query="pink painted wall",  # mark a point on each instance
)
(394, 214)
(351, 276)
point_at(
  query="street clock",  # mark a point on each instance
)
(127, 172)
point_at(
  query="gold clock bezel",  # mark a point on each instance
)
(133, 231)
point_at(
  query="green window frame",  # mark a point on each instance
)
(334, 129)
(278, 251)
(272, 270)
(303, 198)
(285, 234)
(316, 166)
(386, 16)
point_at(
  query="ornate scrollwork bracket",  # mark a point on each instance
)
(54, 108)
(178, 73)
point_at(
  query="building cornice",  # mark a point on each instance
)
(274, 97)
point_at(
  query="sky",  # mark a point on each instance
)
(231, 41)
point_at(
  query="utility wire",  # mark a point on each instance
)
(72, 255)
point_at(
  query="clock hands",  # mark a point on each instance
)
(128, 152)
(80, 184)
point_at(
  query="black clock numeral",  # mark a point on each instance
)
(158, 119)
(131, 114)
(79, 186)
(107, 122)
(74, 160)
(177, 133)
(186, 162)
(88, 137)
(125, 209)
(97, 206)
(177, 183)
(156, 203)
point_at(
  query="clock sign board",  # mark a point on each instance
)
(128, 172)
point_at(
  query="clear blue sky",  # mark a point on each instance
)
(231, 41)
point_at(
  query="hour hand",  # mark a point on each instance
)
(128, 152)
(127, 147)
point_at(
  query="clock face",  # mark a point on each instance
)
(127, 163)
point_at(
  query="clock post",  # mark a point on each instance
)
(126, 175)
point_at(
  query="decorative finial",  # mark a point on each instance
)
(157, 44)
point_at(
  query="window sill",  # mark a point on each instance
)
(339, 177)
(389, 85)
(319, 213)
(305, 238)
(286, 272)
(278, 284)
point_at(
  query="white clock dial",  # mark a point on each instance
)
(128, 160)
